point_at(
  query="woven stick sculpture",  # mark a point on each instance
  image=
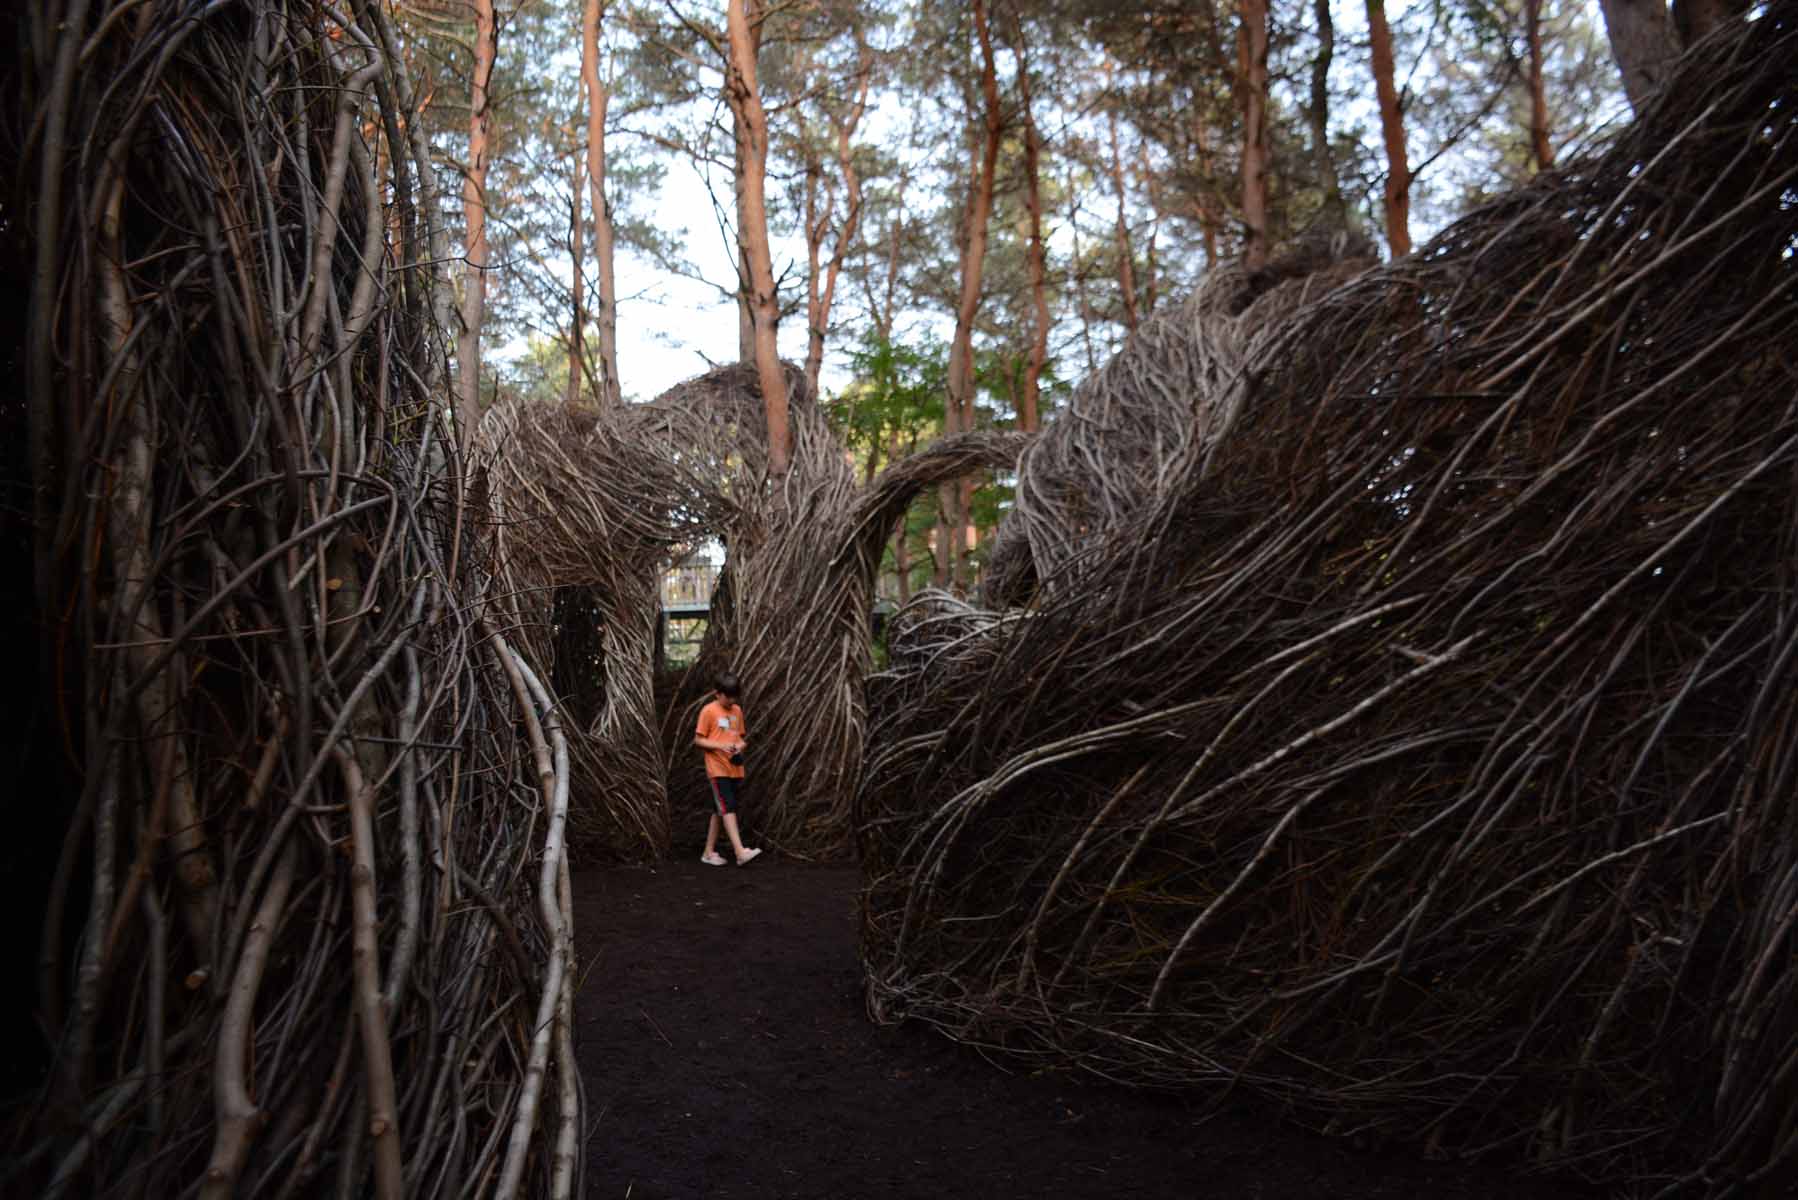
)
(1421, 754)
(309, 934)
(599, 500)
(591, 504)
(1127, 431)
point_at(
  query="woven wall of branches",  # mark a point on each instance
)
(600, 500)
(586, 506)
(1418, 748)
(1119, 447)
(309, 934)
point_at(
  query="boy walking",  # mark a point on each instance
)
(722, 735)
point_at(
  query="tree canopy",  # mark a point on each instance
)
(1132, 149)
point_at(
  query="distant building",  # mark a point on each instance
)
(685, 612)
(689, 584)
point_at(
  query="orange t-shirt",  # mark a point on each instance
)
(718, 723)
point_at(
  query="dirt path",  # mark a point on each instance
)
(727, 1054)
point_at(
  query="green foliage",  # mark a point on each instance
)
(896, 394)
(999, 379)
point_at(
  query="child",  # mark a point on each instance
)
(721, 734)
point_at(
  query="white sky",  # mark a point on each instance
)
(670, 326)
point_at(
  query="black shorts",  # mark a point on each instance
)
(724, 793)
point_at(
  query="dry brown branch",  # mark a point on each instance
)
(1397, 717)
(292, 948)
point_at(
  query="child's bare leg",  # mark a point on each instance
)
(730, 828)
(711, 835)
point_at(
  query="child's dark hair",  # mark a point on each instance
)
(727, 683)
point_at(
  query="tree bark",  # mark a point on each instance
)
(1392, 127)
(892, 276)
(744, 95)
(1126, 253)
(474, 208)
(1029, 419)
(577, 326)
(821, 295)
(1077, 272)
(1323, 157)
(739, 176)
(1646, 38)
(902, 563)
(958, 408)
(1251, 83)
(598, 100)
(1695, 19)
(1644, 44)
(745, 310)
(1204, 211)
(901, 547)
(1539, 143)
(817, 225)
(1151, 271)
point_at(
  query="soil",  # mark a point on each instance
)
(727, 1053)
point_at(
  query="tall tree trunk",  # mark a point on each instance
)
(892, 275)
(1121, 227)
(948, 521)
(901, 547)
(1029, 420)
(1150, 267)
(474, 208)
(958, 409)
(745, 310)
(1204, 210)
(1539, 144)
(598, 99)
(745, 98)
(1077, 274)
(1251, 80)
(902, 562)
(817, 226)
(1646, 37)
(821, 296)
(577, 326)
(740, 184)
(1151, 272)
(1323, 157)
(1392, 126)
(1695, 19)
(880, 289)
(1644, 44)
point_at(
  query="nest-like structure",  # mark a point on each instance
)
(599, 500)
(1123, 440)
(586, 507)
(1420, 751)
(309, 932)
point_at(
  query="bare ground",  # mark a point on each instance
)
(726, 1053)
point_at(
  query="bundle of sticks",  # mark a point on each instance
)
(1413, 743)
(309, 932)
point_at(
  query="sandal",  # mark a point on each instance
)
(748, 856)
(713, 859)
